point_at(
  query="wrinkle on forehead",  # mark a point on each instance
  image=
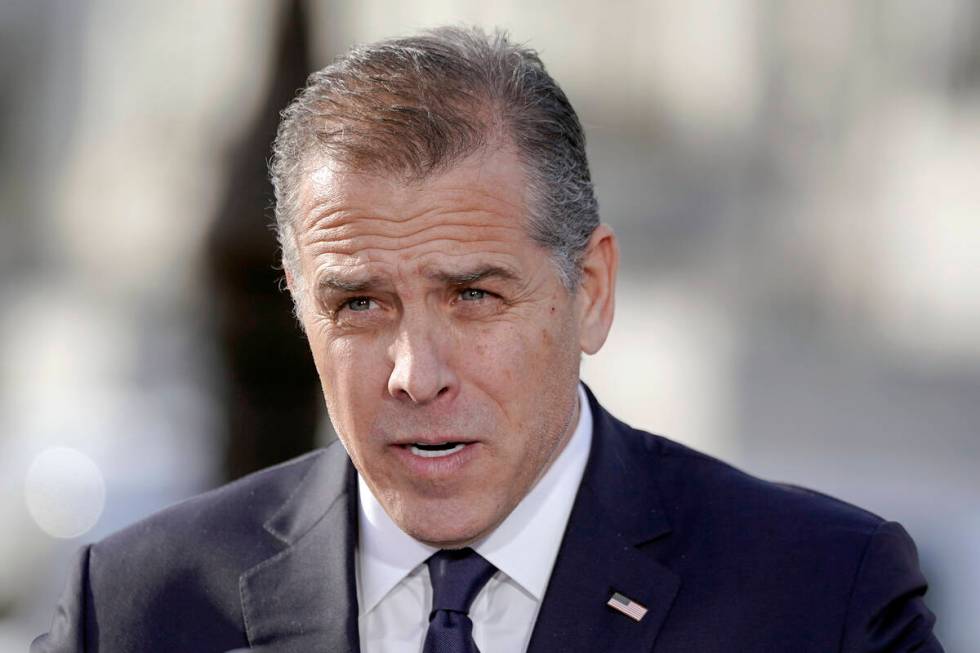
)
(330, 193)
(407, 209)
(379, 234)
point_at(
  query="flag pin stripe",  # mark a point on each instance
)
(627, 606)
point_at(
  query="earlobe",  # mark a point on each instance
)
(597, 291)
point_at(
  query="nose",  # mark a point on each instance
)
(421, 372)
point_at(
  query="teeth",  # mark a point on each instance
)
(436, 453)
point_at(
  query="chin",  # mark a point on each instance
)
(445, 534)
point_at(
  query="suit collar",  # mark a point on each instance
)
(621, 476)
(326, 482)
(618, 508)
(304, 597)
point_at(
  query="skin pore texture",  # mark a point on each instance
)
(435, 320)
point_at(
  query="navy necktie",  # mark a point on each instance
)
(457, 577)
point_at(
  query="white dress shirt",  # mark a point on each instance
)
(394, 594)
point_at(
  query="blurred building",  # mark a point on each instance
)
(795, 187)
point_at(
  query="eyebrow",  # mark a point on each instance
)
(472, 276)
(342, 284)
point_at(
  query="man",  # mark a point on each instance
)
(441, 241)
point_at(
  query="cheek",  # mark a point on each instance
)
(508, 359)
(494, 355)
(349, 376)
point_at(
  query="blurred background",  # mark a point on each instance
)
(796, 186)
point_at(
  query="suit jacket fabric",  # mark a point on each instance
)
(721, 560)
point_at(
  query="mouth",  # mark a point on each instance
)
(437, 458)
(435, 450)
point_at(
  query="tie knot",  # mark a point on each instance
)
(457, 577)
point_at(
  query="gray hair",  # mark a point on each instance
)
(415, 106)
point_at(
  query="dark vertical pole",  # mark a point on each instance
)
(271, 398)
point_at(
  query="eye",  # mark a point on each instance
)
(472, 294)
(358, 304)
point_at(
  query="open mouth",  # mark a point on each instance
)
(436, 450)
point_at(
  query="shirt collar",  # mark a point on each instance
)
(526, 543)
(386, 553)
(524, 546)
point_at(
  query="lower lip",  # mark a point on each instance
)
(438, 466)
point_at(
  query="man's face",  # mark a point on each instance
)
(446, 345)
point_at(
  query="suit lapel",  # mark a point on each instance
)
(304, 598)
(617, 509)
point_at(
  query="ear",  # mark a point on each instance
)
(596, 297)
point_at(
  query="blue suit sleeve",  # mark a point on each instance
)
(67, 633)
(887, 613)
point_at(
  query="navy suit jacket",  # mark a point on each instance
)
(722, 561)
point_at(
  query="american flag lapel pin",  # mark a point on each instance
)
(629, 607)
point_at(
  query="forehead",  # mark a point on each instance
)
(477, 207)
(495, 177)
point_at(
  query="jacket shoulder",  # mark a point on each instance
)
(202, 543)
(814, 566)
(712, 505)
(181, 565)
(695, 487)
(222, 515)
(722, 492)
